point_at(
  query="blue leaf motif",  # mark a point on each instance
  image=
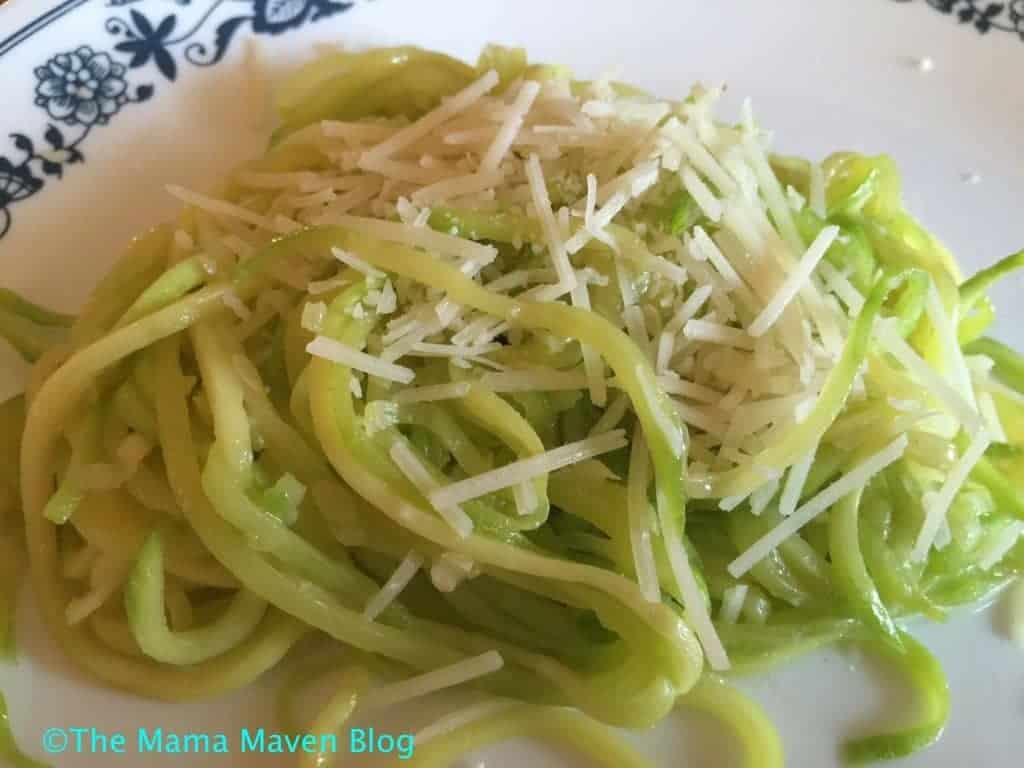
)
(326, 8)
(54, 137)
(16, 182)
(225, 33)
(165, 63)
(981, 15)
(51, 168)
(87, 86)
(275, 16)
(283, 12)
(148, 43)
(142, 24)
(24, 143)
(139, 55)
(165, 27)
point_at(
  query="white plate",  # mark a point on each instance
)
(825, 75)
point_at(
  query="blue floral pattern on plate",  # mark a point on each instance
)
(985, 16)
(85, 88)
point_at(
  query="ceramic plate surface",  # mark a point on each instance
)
(181, 97)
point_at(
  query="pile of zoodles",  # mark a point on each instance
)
(577, 395)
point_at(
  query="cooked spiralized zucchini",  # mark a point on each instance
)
(382, 385)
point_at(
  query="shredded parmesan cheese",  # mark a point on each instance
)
(838, 284)
(510, 128)
(393, 587)
(414, 469)
(987, 407)
(693, 602)
(953, 357)
(336, 352)
(936, 505)
(224, 208)
(448, 109)
(716, 333)
(318, 287)
(949, 397)
(351, 260)
(422, 237)
(527, 469)
(704, 248)
(387, 696)
(639, 520)
(709, 205)
(797, 278)
(423, 349)
(993, 549)
(542, 204)
(760, 498)
(453, 390)
(674, 385)
(856, 478)
(612, 415)
(732, 603)
(794, 486)
(447, 189)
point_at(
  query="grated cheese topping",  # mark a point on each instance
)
(740, 318)
(795, 480)
(856, 478)
(639, 521)
(993, 550)
(452, 390)
(794, 282)
(954, 402)
(399, 580)
(542, 205)
(448, 109)
(351, 260)
(336, 352)
(502, 142)
(732, 603)
(937, 504)
(527, 469)
(413, 468)
(459, 673)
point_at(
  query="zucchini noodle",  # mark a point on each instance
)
(559, 726)
(433, 277)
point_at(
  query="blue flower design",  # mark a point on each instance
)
(1017, 16)
(147, 42)
(16, 183)
(81, 87)
(276, 16)
(982, 15)
(85, 88)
